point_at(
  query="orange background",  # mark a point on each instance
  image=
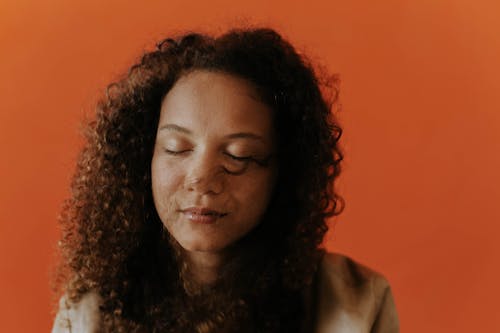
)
(422, 136)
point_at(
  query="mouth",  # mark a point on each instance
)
(202, 215)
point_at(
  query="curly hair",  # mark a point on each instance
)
(113, 241)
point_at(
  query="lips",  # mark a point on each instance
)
(202, 215)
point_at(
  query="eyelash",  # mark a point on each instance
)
(172, 152)
(243, 159)
(236, 158)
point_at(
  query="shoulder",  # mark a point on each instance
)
(353, 297)
(79, 317)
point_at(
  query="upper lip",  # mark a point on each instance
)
(202, 211)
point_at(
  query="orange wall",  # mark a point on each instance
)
(422, 136)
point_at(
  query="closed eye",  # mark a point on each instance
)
(239, 158)
(176, 152)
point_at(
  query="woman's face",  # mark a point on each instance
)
(212, 169)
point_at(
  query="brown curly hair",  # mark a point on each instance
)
(113, 241)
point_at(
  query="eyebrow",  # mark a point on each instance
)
(176, 128)
(239, 135)
(245, 135)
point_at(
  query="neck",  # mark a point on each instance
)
(204, 268)
(201, 270)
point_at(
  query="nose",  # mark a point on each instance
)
(204, 174)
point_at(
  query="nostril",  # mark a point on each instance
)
(206, 185)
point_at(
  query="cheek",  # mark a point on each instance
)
(165, 181)
(256, 193)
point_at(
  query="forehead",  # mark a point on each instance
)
(215, 100)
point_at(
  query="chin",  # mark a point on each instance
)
(203, 246)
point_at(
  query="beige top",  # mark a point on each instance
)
(351, 299)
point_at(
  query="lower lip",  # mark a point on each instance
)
(202, 219)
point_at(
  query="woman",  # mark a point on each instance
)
(199, 202)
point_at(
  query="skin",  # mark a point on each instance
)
(214, 150)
